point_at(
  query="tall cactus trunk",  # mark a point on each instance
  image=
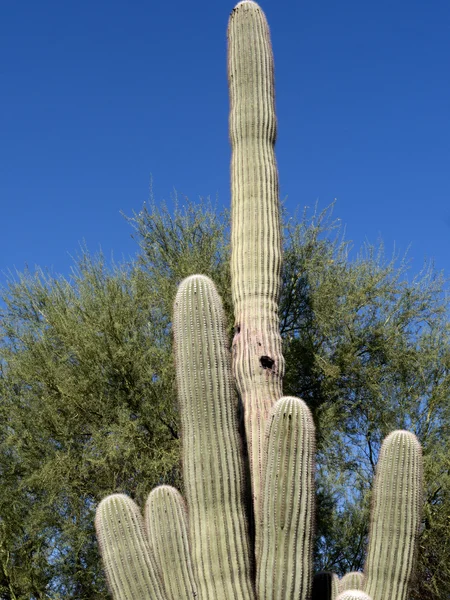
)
(258, 364)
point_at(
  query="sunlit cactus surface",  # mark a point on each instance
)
(245, 528)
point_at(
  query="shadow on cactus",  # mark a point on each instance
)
(223, 541)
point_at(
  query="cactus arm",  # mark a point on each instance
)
(130, 566)
(258, 364)
(167, 529)
(352, 581)
(395, 517)
(287, 513)
(213, 467)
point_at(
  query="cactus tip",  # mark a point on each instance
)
(244, 2)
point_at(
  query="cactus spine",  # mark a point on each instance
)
(203, 549)
(258, 364)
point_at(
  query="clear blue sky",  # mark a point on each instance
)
(97, 97)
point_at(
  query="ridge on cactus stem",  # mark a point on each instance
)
(352, 581)
(245, 528)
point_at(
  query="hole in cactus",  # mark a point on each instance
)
(266, 362)
(237, 329)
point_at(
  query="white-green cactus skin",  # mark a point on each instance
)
(212, 455)
(130, 564)
(202, 547)
(287, 508)
(351, 581)
(395, 517)
(353, 595)
(258, 363)
(167, 529)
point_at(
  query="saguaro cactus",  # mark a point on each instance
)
(201, 547)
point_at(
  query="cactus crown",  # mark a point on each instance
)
(221, 542)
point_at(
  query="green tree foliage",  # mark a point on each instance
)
(369, 350)
(88, 403)
(191, 239)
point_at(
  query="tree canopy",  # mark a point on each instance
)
(88, 400)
